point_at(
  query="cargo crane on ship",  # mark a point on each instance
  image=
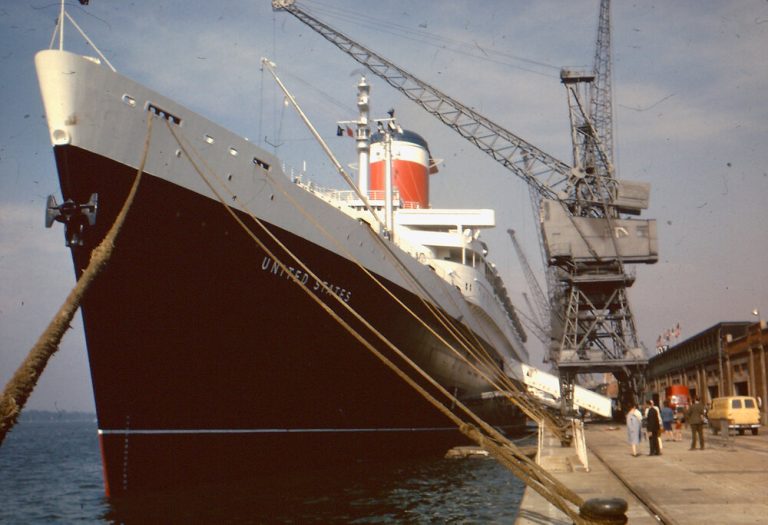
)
(586, 234)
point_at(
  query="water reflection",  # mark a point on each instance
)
(443, 490)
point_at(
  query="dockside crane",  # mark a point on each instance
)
(533, 324)
(541, 312)
(585, 235)
(598, 326)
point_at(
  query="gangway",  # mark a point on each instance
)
(548, 383)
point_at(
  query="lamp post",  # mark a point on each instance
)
(763, 369)
(720, 363)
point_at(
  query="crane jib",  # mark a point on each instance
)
(586, 242)
(548, 175)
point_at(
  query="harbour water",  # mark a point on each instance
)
(50, 472)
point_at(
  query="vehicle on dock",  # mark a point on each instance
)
(741, 412)
(678, 397)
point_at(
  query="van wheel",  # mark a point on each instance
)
(754, 431)
(741, 431)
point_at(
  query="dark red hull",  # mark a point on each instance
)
(208, 362)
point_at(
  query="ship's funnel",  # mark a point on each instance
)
(410, 168)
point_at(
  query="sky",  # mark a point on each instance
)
(690, 117)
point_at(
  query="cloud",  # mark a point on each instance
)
(36, 267)
(20, 224)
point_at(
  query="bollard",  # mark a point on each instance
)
(608, 511)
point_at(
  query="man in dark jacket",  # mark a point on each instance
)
(653, 425)
(695, 417)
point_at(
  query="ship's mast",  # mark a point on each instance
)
(270, 66)
(363, 136)
(61, 27)
(389, 212)
(385, 127)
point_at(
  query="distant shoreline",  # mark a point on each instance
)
(52, 415)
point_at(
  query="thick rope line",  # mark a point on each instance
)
(542, 481)
(534, 471)
(497, 451)
(441, 317)
(530, 407)
(450, 326)
(476, 350)
(490, 430)
(308, 271)
(534, 478)
(23, 382)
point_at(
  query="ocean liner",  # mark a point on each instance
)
(211, 353)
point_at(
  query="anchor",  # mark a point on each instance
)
(74, 216)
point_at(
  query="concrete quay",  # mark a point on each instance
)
(726, 483)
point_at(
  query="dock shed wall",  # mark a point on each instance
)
(728, 358)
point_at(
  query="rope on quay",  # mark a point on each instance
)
(20, 386)
(553, 490)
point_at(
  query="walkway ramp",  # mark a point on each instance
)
(550, 384)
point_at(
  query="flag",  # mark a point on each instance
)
(349, 132)
(339, 131)
(432, 165)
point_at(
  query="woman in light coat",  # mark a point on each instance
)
(634, 428)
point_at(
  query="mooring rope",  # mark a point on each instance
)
(23, 382)
(21, 385)
(532, 408)
(538, 478)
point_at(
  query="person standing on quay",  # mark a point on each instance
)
(634, 427)
(677, 435)
(667, 418)
(695, 418)
(653, 425)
